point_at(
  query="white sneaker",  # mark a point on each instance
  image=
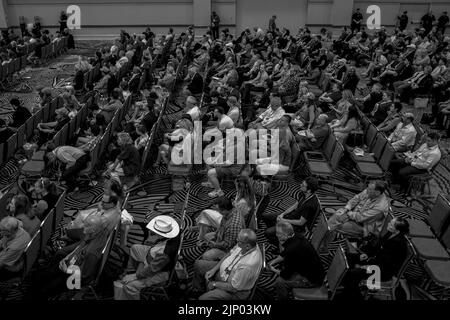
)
(207, 184)
(216, 193)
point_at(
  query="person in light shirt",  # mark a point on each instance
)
(269, 118)
(420, 161)
(192, 109)
(404, 134)
(235, 275)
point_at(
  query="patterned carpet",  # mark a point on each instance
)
(159, 200)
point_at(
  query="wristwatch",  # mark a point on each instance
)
(214, 284)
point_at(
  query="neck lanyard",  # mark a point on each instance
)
(235, 261)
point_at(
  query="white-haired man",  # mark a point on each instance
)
(13, 241)
(235, 275)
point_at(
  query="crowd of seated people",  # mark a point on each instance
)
(303, 87)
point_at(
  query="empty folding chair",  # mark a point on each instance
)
(379, 144)
(59, 210)
(47, 228)
(11, 146)
(319, 232)
(326, 153)
(437, 219)
(378, 170)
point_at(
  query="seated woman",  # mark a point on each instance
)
(52, 280)
(342, 129)
(42, 190)
(108, 110)
(243, 203)
(128, 162)
(142, 139)
(279, 161)
(340, 112)
(49, 129)
(307, 114)
(183, 128)
(20, 208)
(392, 120)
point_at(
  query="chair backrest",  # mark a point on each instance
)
(329, 145)
(439, 215)
(337, 155)
(336, 271)
(388, 219)
(409, 256)
(386, 157)
(72, 127)
(310, 224)
(57, 139)
(371, 133)
(21, 136)
(31, 252)
(59, 209)
(29, 125)
(12, 145)
(2, 153)
(105, 254)
(445, 238)
(319, 231)
(64, 134)
(379, 145)
(47, 228)
(37, 117)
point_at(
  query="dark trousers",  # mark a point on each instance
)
(351, 283)
(248, 88)
(402, 171)
(48, 282)
(215, 32)
(70, 174)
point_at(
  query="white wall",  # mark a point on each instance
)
(290, 13)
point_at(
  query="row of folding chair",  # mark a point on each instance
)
(431, 240)
(10, 68)
(40, 239)
(102, 144)
(146, 155)
(53, 49)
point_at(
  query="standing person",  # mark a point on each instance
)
(403, 21)
(62, 21)
(357, 18)
(74, 160)
(427, 22)
(272, 24)
(442, 22)
(215, 22)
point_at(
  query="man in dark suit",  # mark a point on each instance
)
(389, 257)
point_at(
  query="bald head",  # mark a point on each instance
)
(248, 237)
(191, 101)
(93, 225)
(322, 119)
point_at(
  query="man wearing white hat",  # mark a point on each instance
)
(152, 263)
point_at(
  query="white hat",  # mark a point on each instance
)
(164, 226)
